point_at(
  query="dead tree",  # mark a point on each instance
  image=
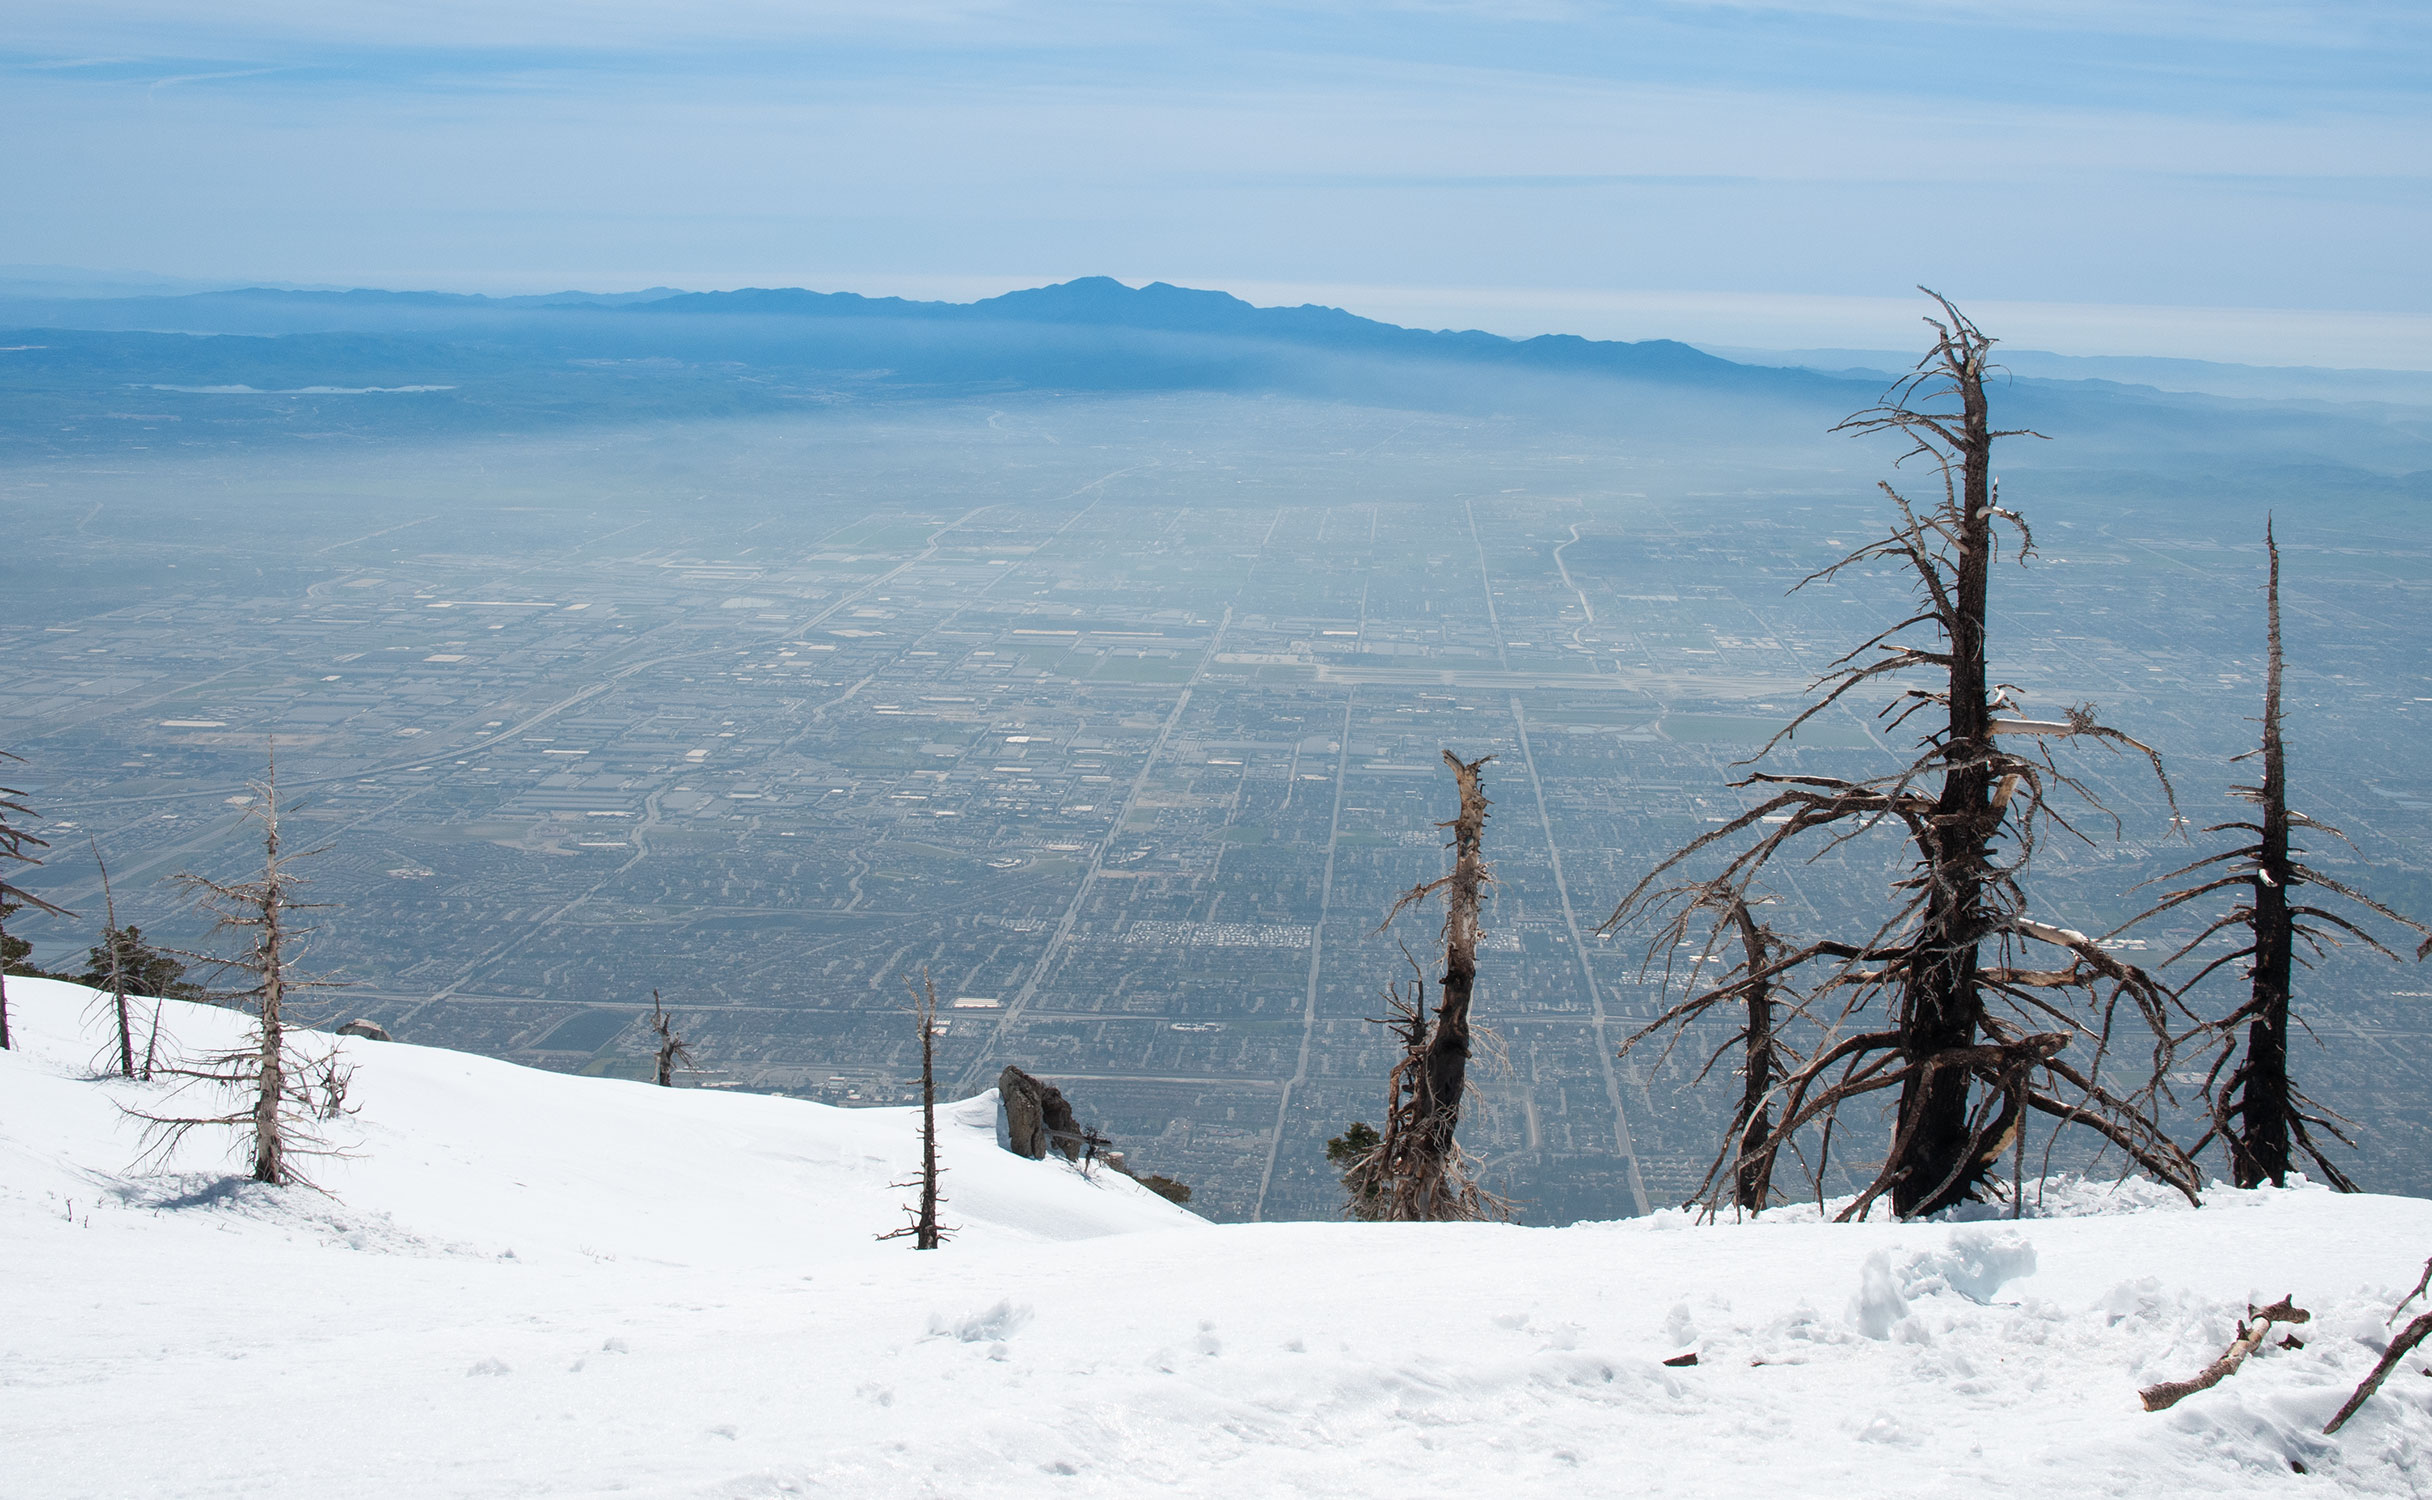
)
(2257, 1111)
(671, 1046)
(1983, 1000)
(1417, 1170)
(111, 958)
(15, 842)
(924, 1231)
(271, 1084)
(1755, 983)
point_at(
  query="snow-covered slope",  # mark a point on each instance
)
(525, 1284)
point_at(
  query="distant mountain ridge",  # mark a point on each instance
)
(302, 364)
(1103, 302)
(1098, 305)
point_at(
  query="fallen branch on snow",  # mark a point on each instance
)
(2399, 1346)
(2421, 1284)
(2250, 1338)
(2414, 1333)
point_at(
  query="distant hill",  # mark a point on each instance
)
(290, 364)
(1103, 302)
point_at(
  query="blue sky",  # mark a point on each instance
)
(2228, 180)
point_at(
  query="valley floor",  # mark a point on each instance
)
(523, 1284)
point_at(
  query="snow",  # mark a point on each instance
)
(524, 1284)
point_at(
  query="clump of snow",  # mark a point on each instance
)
(528, 1284)
(1976, 1263)
(991, 1325)
(1880, 1305)
(2065, 1196)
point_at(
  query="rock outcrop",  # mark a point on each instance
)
(1037, 1116)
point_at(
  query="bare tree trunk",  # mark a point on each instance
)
(1753, 1176)
(1445, 1072)
(115, 946)
(15, 840)
(671, 1046)
(1417, 1170)
(271, 1101)
(924, 1231)
(270, 1092)
(1941, 1006)
(2259, 1139)
(2261, 1115)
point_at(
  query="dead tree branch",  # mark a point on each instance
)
(2410, 1336)
(2250, 1337)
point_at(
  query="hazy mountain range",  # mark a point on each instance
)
(83, 372)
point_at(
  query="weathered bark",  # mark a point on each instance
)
(1444, 1069)
(1417, 1170)
(1941, 1005)
(270, 1092)
(1752, 1177)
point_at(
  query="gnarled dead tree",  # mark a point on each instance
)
(2258, 1112)
(1756, 986)
(15, 843)
(924, 1231)
(671, 1048)
(1984, 1001)
(273, 1088)
(1417, 1170)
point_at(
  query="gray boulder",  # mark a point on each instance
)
(1037, 1116)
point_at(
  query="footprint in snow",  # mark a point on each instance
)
(491, 1367)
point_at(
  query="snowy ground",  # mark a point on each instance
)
(527, 1284)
